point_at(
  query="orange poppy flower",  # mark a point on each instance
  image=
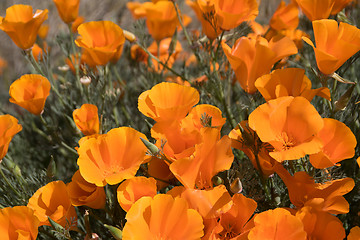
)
(180, 137)
(210, 157)
(161, 19)
(210, 203)
(338, 144)
(205, 12)
(288, 82)
(339, 5)
(277, 224)
(133, 189)
(334, 44)
(18, 222)
(137, 9)
(232, 223)
(53, 201)
(162, 217)
(251, 58)
(248, 141)
(164, 55)
(101, 41)
(43, 31)
(82, 193)
(76, 23)
(354, 233)
(86, 119)
(203, 115)
(112, 157)
(285, 17)
(302, 188)
(38, 52)
(319, 224)
(316, 9)
(231, 13)
(159, 169)
(22, 25)
(67, 9)
(30, 92)
(8, 128)
(167, 101)
(290, 125)
(175, 141)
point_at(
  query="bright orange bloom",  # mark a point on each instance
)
(22, 25)
(30, 92)
(205, 12)
(76, 23)
(164, 55)
(181, 136)
(159, 169)
(210, 157)
(339, 5)
(203, 115)
(38, 52)
(133, 189)
(233, 222)
(302, 188)
(68, 9)
(285, 17)
(86, 119)
(231, 13)
(53, 201)
(18, 222)
(290, 125)
(316, 9)
(210, 203)
(288, 82)
(161, 19)
(8, 128)
(334, 44)
(137, 9)
(354, 233)
(319, 224)
(112, 157)
(248, 141)
(339, 144)
(167, 101)
(277, 224)
(251, 58)
(82, 193)
(162, 217)
(43, 31)
(101, 41)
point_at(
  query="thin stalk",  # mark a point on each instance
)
(9, 184)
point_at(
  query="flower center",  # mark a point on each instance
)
(287, 141)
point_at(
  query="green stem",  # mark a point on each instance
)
(182, 24)
(8, 183)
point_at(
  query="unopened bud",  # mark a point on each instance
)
(217, 180)
(129, 36)
(115, 232)
(85, 80)
(154, 150)
(64, 68)
(236, 186)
